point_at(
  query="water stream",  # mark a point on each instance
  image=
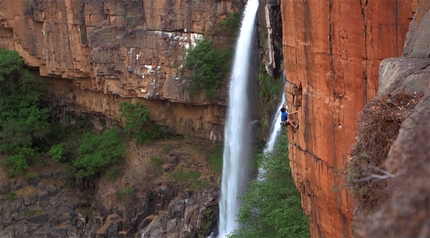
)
(276, 126)
(237, 134)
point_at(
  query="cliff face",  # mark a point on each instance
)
(106, 51)
(332, 52)
(406, 209)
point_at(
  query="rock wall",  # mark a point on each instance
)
(44, 206)
(406, 210)
(332, 52)
(139, 200)
(106, 51)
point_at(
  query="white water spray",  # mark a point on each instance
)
(237, 134)
(276, 127)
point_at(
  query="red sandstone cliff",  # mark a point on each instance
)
(98, 53)
(332, 52)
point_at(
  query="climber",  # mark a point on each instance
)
(284, 118)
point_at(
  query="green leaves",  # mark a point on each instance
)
(271, 207)
(135, 114)
(97, 152)
(138, 123)
(269, 86)
(10, 62)
(22, 120)
(208, 67)
(56, 152)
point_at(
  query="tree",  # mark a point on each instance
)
(271, 206)
(208, 66)
(138, 123)
(97, 152)
(23, 121)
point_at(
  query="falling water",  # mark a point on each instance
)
(237, 141)
(276, 127)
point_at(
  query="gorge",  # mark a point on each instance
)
(337, 55)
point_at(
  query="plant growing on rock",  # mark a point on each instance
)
(207, 67)
(97, 152)
(269, 86)
(216, 159)
(138, 123)
(23, 119)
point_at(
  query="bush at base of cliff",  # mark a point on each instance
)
(23, 121)
(271, 207)
(97, 152)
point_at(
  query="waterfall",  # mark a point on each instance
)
(276, 127)
(237, 134)
(275, 130)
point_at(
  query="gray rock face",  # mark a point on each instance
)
(407, 74)
(406, 211)
(49, 209)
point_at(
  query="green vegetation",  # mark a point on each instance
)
(97, 152)
(166, 149)
(138, 123)
(56, 152)
(30, 175)
(28, 130)
(232, 23)
(157, 162)
(113, 172)
(269, 86)
(271, 206)
(127, 191)
(208, 63)
(11, 196)
(189, 177)
(183, 175)
(23, 119)
(215, 159)
(34, 212)
(208, 67)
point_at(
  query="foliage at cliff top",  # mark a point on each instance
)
(271, 207)
(23, 121)
(379, 126)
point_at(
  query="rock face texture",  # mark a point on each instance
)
(142, 200)
(113, 50)
(332, 52)
(406, 211)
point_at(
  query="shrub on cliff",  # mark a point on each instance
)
(23, 121)
(269, 86)
(271, 207)
(208, 66)
(138, 123)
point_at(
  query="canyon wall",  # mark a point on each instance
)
(103, 52)
(406, 210)
(332, 52)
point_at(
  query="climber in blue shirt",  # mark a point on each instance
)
(284, 118)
